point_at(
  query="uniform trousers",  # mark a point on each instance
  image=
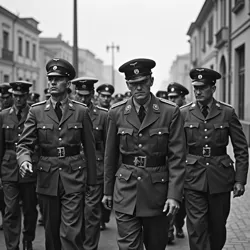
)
(92, 211)
(13, 192)
(206, 219)
(63, 219)
(179, 219)
(134, 231)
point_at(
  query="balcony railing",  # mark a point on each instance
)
(221, 37)
(7, 55)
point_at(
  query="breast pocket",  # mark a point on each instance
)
(9, 132)
(221, 133)
(126, 138)
(159, 139)
(45, 132)
(75, 129)
(98, 134)
(43, 174)
(192, 133)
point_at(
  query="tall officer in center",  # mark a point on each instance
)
(146, 188)
(93, 213)
(60, 126)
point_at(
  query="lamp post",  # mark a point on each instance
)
(75, 44)
(113, 47)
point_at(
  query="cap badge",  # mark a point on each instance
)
(155, 107)
(55, 67)
(136, 71)
(172, 89)
(107, 89)
(133, 64)
(200, 69)
(128, 108)
(199, 76)
(56, 59)
(18, 88)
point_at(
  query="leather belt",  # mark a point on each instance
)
(144, 161)
(207, 151)
(60, 152)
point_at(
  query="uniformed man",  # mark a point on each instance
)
(93, 213)
(147, 187)
(162, 94)
(59, 126)
(127, 95)
(105, 92)
(16, 188)
(33, 98)
(6, 96)
(47, 93)
(118, 97)
(211, 174)
(177, 93)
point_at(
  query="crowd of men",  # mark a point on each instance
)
(153, 159)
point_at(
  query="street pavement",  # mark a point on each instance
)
(238, 228)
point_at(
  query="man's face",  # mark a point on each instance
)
(20, 101)
(177, 99)
(141, 90)
(104, 100)
(58, 85)
(204, 93)
(7, 101)
(86, 99)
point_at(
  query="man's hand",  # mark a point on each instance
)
(171, 207)
(25, 169)
(107, 201)
(239, 189)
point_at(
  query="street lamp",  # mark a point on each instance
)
(113, 47)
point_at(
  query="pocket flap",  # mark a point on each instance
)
(45, 126)
(6, 157)
(123, 173)
(124, 131)
(161, 177)
(8, 126)
(98, 127)
(221, 125)
(191, 160)
(227, 162)
(44, 166)
(191, 125)
(77, 164)
(75, 125)
(158, 131)
(99, 158)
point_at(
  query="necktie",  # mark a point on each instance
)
(19, 114)
(58, 110)
(141, 113)
(204, 111)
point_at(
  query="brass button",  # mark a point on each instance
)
(60, 169)
(60, 128)
(159, 132)
(19, 135)
(140, 135)
(207, 163)
(205, 137)
(139, 178)
(205, 129)
(221, 126)
(19, 128)
(139, 145)
(205, 121)
(7, 127)
(206, 145)
(60, 139)
(191, 126)
(44, 127)
(79, 167)
(162, 180)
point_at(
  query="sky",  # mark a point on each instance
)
(141, 28)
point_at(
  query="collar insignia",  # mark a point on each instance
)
(128, 108)
(193, 105)
(155, 107)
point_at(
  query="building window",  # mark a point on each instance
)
(241, 80)
(34, 52)
(238, 5)
(6, 40)
(20, 46)
(27, 49)
(210, 31)
(6, 78)
(204, 40)
(223, 13)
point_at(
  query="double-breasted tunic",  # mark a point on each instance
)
(159, 139)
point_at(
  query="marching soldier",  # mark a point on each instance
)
(145, 189)
(210, 173)
(118, 97)
(6, 96)
(16, 188)
(177, 93)
(93, 213)
(60, 126)
(47, 93)
(33, 98)
(162, 94)
(105, 92)
(127, 95)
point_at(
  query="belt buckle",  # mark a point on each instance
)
(140, 161)
(61, 152)
(206, 151)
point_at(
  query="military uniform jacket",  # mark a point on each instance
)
(75, 128)
(161, 134)
(10, 132)
(215, 174)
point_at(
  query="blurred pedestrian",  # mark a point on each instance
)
(105, 92)
(59, 126)
(145, 189)
(162, 94)
(6, 96)
(210, 172)
(33, 98)
(118, 97)
(47, 93)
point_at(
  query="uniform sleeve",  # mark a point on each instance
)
(111, 154)
(26, 143)
(176, 157)
(240, 148)
(88, 142)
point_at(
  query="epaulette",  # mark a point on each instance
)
(83, 104)
(118, 103)
(101, 108)
(167, 101)
(186, 105)
(226, 104)
(38, 103)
